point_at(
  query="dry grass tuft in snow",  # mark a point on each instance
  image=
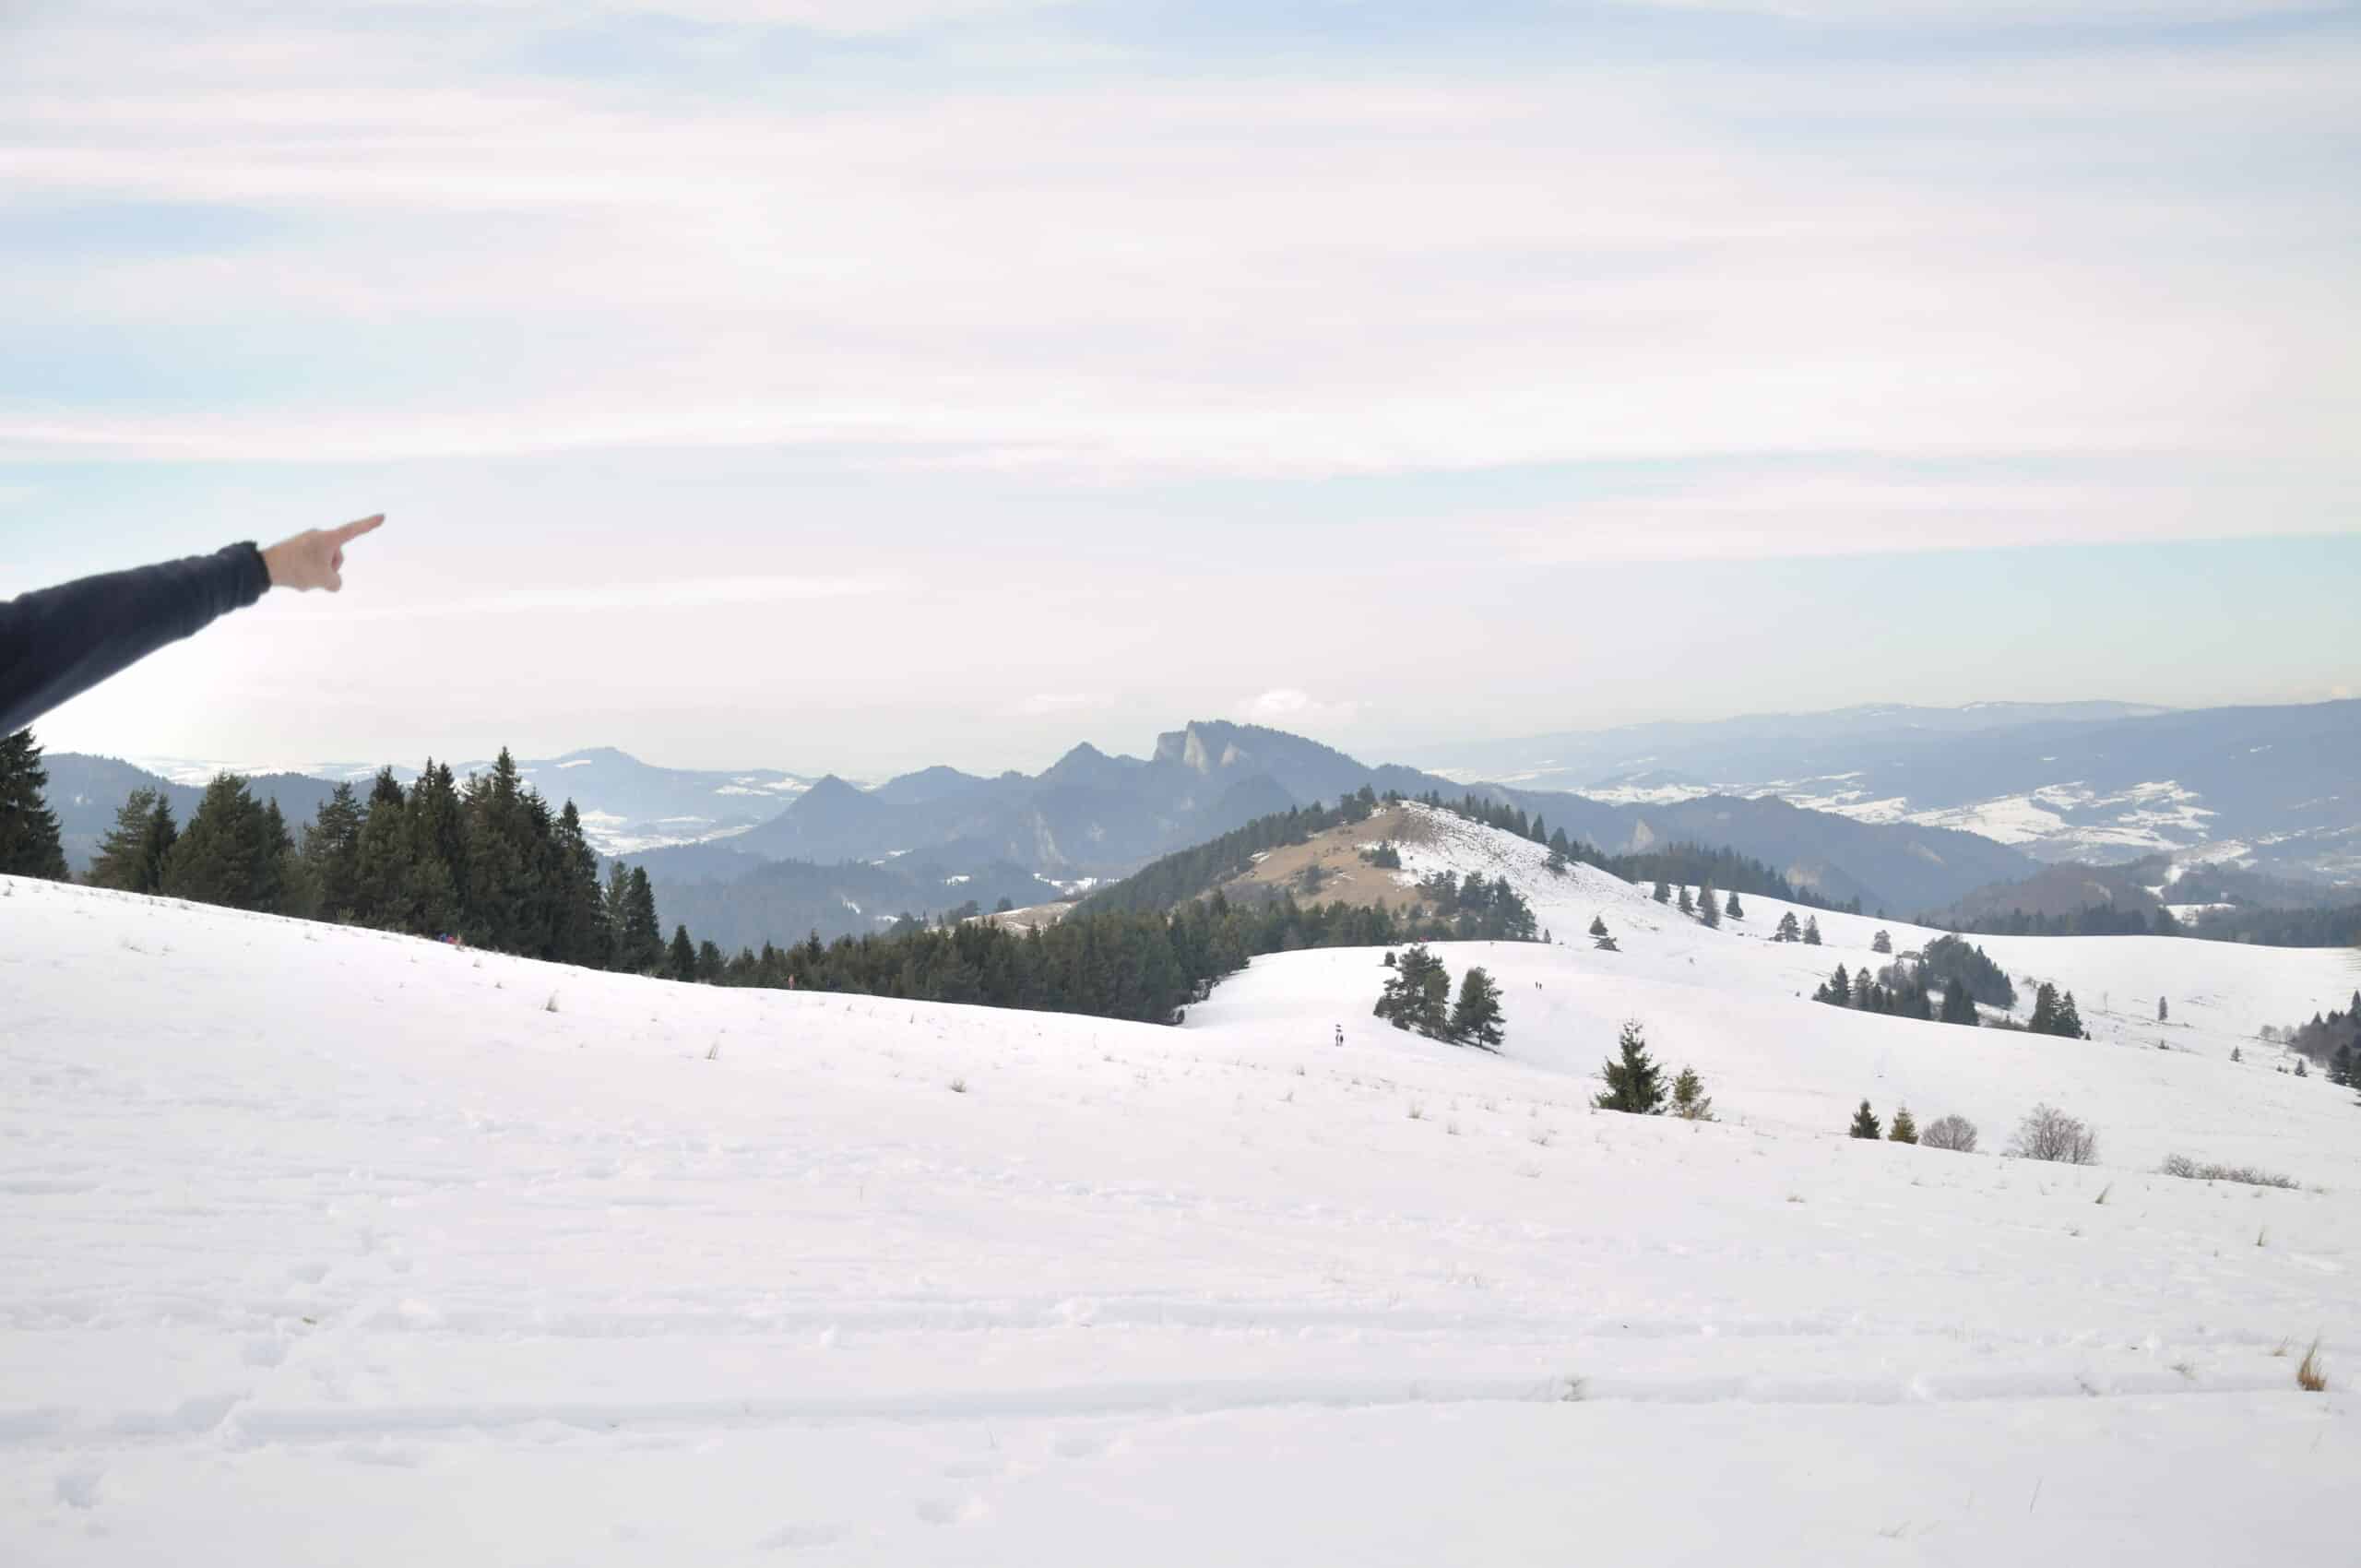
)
(2311, 1376)
(2195, 1171)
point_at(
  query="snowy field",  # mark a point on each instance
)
(323, 1246)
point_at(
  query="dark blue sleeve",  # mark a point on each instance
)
(57, 643)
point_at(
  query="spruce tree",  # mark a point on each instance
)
(122, 860)
(2164, 1012)
(1905, 1131)
(1664, 891)
(1689, 1100)
(1635, 1084)
(1598, 925)
(643, 944)
(1708, 908)
(29, 845)
(1685, 905)
(1881, 942)
(2044, 1010)
(710, 966)
(1736, 910)
(332, 850)
(1811, 931)
(1475, 1019)
(1865, 1123)
(2340, 1067)
(681, 962)
(220, 857)
(380, 873)
(2069, 1020)
(1789, 931)
(1958, 1006)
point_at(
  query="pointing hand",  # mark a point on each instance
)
(315, 559)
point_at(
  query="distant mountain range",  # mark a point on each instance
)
(1902, 808)
(2278, 788)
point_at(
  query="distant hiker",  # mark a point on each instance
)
(57, 643)
(1340, 1034)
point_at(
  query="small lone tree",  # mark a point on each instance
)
(1689, 1100)
(1789, 931)
(1736, 910)
(2238, 1054)
(681, 962)
(1865, 1123)
(2164, 1011)
(1904, 1131)
(1811, 931)
(1664, 891)
(1635, 1084)
(2048, 1133)
(1881, 942)
(1837, 990)
(1598, 925)
(1475, 1019)
(1684, 903)
(1708, 908)
(1954, 1132)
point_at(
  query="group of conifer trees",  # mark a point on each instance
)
(1416, 996)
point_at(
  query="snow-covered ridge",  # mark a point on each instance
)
(323, 1242)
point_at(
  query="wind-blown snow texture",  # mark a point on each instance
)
(330, 1246)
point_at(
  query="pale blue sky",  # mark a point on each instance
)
(846, 387)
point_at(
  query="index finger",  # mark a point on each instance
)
(351, 531)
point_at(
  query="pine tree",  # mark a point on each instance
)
(2301, 1071)
(1865, 1123)
(1475, 1019)
(2340, 1067)
(122, 861)
(1685, 905)
(643, 943)
(1736, 910)
(1811, 931)
(381, 867)
(1905, 1131)
(2069, 1021)
(1789, 931)
(1664, 891)
(1598, 925)
(2044, 1010)
(1688, 1101)
(681, 962)
(2164, 1012)
(710, 967)
(29, 845)
(332, 850)
(1708, 908)
(1959, 1007)
(1635, 1084)
(1838, 991)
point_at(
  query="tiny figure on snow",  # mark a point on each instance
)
(1340, 1034)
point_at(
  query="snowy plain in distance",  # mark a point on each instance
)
(323, 1245)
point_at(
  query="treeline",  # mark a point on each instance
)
(2326, 926)
(2091, 920)
(2327, 1036)
(1678, 864)
(2338, 927)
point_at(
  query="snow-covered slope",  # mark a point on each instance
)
(323, 1245)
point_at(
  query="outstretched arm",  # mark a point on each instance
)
(57, 643)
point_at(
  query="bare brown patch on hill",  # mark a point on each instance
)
(1345, 877)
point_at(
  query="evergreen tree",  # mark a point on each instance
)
(230, 853)
(2164, 1012)
(1475, 1019)
(709, 962)
(381, 878)
(1635, 1084)
(1688, 1101)
(29, 845)
(1881, 942)
(2302, 1069)
(581, 934)
(1708, 908)
(616, 915)
(681, 962)
(2340, 1067)
(1686, 905)
(643, 939)
(1838, 989)
(1598, 925)
(2044, 1010)
(1958, 1006)
(332, 851)
(1811, 931)
(1664, 891)
(1865, 1123)
(2069, 1020)
(1736, 910)
(124, 862)
(1905, 1131)
(1789, 931)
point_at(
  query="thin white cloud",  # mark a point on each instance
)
(589, 598)
(1290, 708)
(1041, 705)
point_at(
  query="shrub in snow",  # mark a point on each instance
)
(1865, 1123)
(2048, 1133)
(1954, 1132)
(2311, 1376)
(2198, 1170)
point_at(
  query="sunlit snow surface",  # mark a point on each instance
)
(328, 1246)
